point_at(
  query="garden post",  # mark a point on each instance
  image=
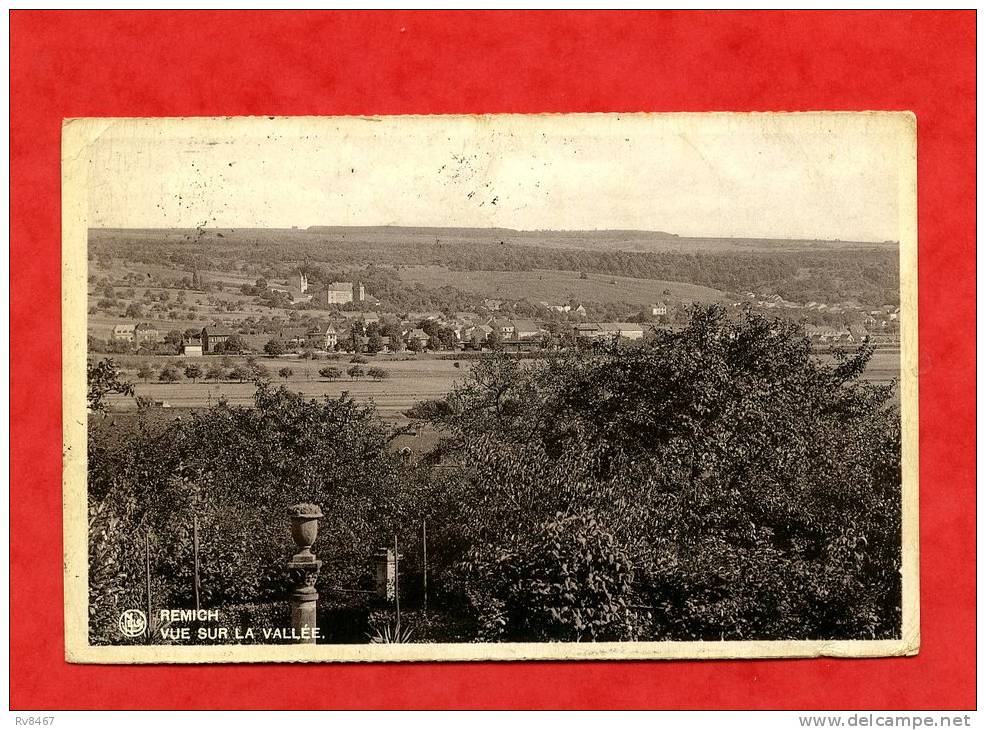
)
(303, 569)
(385, 574)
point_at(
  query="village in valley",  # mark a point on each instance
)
(190, 336)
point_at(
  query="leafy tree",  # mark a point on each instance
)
(241, 372)
(757, 488)
(378, 373)
(330, 373)
(495, 340)
(430, 410)
(285, 372)
(234, 345)
(145, 371)
(215, 371)
(193, 371)
(355, 372)
(357, 360)
(237, 469)
(175, 337)
(566, 580)
(415, 345)
(275, 347)
(104, 378)
(169, 374)
(135, 311)
(374, 342)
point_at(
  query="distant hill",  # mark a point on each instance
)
(397, 236)
(590, 240)
(798, 270)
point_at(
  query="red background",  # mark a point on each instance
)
(70, 64)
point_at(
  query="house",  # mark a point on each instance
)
(659, 310)
(124, 332)
(504, 327)
(322, 338)
(586, 331)
(479, 333)
(626, 330)
(525, 329)
(857, 333)
(146, 333)
(493, 304)
(416, 334)
(212, 336)
(193, 348)
(580, 310)
(299, 282)
(340, 292)
(294, 338)
(295, 287)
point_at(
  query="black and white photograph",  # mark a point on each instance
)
(579, 386)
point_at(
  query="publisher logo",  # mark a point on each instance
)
(133, 622)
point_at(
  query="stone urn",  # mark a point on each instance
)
(304, 530)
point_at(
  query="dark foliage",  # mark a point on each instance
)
(756, 491)
(238, 469)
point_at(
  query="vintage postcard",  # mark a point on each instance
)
(589, 386)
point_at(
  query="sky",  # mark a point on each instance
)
(829, 176)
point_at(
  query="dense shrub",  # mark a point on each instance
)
(330, 373)
(567, 580)
(238, 469)
(757, 489)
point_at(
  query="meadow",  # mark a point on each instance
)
(409, 380)
(560, 286)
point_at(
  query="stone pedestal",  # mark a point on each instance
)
(304, 600)
(303, 568)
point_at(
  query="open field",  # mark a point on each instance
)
(560, 286)
(409, 381)
(884, 366)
